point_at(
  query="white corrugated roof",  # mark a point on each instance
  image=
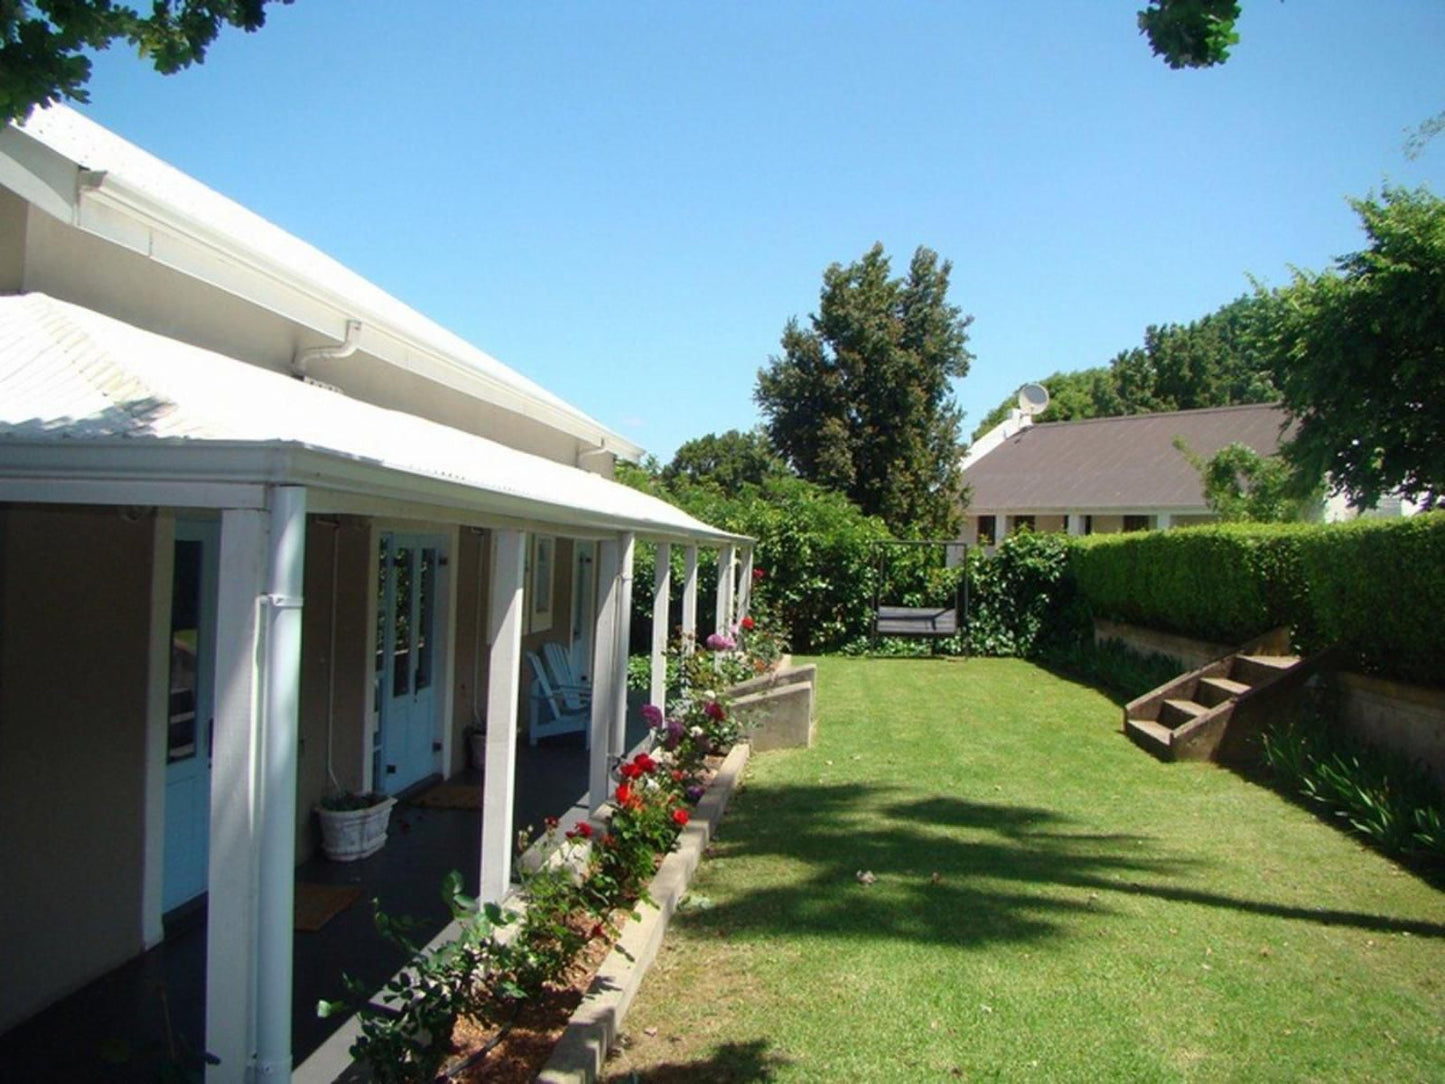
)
(128, 171)
(72, 376)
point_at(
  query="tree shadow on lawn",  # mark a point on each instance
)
(953, 871)
(730, 1063)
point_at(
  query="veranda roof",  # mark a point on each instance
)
(1118, 464)
(85, 396)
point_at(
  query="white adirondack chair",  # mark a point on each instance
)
(550, 713)
(576, 693)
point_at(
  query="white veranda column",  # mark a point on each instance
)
(1163, 521)
(661, 590)
(689, 599)
(1076, 523)
(504, 685)
(624, 639)
(251, 875)
(604, 670)
(745, 584)
(726, 557)
(1001, 531)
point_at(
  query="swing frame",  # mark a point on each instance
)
(919, 622)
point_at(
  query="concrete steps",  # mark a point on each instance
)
(1189, 717)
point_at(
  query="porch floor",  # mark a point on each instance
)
(115, 1029)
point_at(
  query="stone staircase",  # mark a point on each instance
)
(1213, 713)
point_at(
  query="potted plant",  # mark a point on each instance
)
(353, 825)
(476, 736)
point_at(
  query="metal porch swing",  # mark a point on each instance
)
(919, 622)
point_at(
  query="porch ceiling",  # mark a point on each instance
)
(86, 399)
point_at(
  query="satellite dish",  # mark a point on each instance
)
(1033, 399)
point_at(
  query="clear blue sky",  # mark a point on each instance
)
(626, 201)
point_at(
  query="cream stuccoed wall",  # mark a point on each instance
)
(13, 218)
(75, 598)
(67, 263)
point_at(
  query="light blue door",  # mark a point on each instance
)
(407, 611)
(190, 712)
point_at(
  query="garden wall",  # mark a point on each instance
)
(1409, 719)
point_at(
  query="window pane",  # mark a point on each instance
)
(401, 657)
(424, 625)
(185, 639)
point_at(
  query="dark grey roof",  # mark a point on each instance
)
(1115, 463)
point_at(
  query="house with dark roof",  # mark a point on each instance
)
(1104, 475)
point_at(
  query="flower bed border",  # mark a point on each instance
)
(581, 1051)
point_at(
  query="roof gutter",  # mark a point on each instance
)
(304, 358)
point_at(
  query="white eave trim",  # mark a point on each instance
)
(106, 206)
(234, 474)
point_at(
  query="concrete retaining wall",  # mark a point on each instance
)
(1409, 719)
(778, 710)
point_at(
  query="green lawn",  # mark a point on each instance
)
(1095, 914)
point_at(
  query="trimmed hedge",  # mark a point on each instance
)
(1374, 587)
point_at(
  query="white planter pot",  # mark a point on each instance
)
(349, 834)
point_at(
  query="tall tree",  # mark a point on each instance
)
(860, 399)
(1190, 33)
(1209, 362)
(43, 42)
(1359, 353)
(725, 461)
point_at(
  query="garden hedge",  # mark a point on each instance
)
(1374, 587)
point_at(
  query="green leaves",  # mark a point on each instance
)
(41, 42)
(1190, 33)
(860, 400)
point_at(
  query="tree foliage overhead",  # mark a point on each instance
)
(43, 42)
(726, 461)
(1190, 33)
(1242, 486)
(1210, 362)
(1359, 354)
(860, 399)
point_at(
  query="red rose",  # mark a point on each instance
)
(551, 823)
(678, 776)
(624, 794)
(680, 817)
(597, 931)
(584, 829)
(758, 575)
(714, 710)
(644, 763)
(748, 623)
(629, 771)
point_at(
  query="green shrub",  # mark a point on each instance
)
(1374, 587)
(1022, 599)
(1377, 588)
(1112, 664)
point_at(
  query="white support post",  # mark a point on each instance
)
(1001, 531)
(231, 874)
(251, 876)
(723, 616)
(689, 600)
(661, 591)
(745, 584)
(280, 733)
(604, 671)
(1163, 521)
(504, 683)
(1076, 523)
(624, 639)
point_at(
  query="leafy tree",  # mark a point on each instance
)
(1190, 33)
(1213, 361)
(42, 42)
(860, 400)
(1242, 486)
(1359, 354)
(727, 461)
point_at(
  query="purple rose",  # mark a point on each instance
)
(718, 642)
(652, 715)
(694, 794)
(674, 734)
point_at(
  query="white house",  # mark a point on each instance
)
(265, 531)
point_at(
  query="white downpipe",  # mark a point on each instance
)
(331, 653)
(303, 358)
(618, 744)
(280, 661)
